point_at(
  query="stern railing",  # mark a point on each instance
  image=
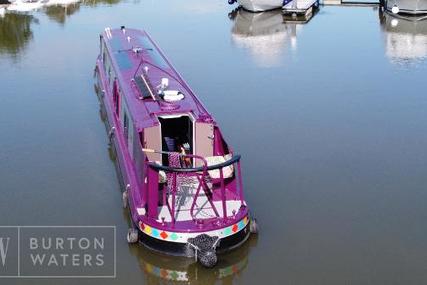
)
(176, 176)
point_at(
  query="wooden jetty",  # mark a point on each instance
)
(300, 9)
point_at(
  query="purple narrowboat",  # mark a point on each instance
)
(182, 183)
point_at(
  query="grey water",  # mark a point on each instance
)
(329, 116)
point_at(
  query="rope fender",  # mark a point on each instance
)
(203, 248)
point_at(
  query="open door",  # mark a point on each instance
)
(204, 140)
(153, 140)
(177, 134)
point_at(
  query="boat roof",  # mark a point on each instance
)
(140, 67)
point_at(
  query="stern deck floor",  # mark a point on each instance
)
(202, 210)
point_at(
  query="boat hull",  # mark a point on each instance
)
(260, 5)
(408, 6)
(181, 249)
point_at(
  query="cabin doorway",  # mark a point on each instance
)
(177, 135)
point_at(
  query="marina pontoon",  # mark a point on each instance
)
(260, 5)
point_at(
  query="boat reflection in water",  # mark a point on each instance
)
(266, 35)
(405, 37)
(15, 33)
(163, 269)
(60, 12)
(16, 20)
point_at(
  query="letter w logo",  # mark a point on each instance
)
(4, 246)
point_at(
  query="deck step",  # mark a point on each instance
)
(203, 210)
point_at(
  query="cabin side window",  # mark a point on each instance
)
(116, 97)
(139, 155)
(104, 60)
(127, 127)
(104, 56)
(130, 139)
(109, 70)
(112, 78)
(101, 46)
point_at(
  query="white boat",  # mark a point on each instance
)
(2, 12)
(265, 35)
(406, 6)
(405, 38)
(61, 2)
(26, 6)
(261, 5)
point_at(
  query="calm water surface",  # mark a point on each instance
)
(330, 118)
